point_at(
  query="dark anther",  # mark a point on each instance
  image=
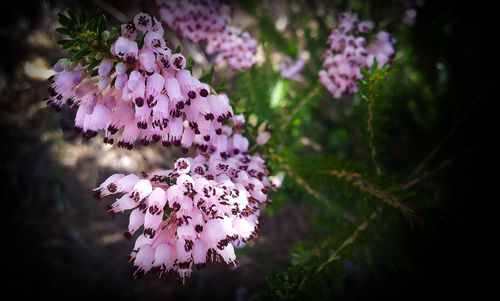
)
(139, 101)
(127, 235)
(203, 93)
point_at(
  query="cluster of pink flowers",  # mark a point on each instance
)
(349, 52)
(193, 214)
(153, 97)
(210, 20)
(199, 211)
(290, 69)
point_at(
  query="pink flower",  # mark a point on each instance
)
(143, 22)
(209, 21)
(290, 69)
(155, 42)
(63, 87)
(348, 53)
(126, 49)
(197, 212)
(178, 61)
(147, 60)
(105, 67)
(263, 138)
(155, 84)
(207, 217)
(129, 31)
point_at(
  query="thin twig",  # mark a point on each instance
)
(297, 108)
(442, 142)
(387, 197)
(347, 242)
(372, 134)
(336, 254)
(301, 181)
(424, 175)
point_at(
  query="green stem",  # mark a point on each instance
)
(297, 108)
(336, 254)
(357, 180)
(371, 133)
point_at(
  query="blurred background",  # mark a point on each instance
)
(437, 114)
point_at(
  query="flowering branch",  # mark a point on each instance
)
(370, 87)
(206, 206)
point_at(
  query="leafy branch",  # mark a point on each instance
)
(307, 279)
(358, 181)
(369, 90)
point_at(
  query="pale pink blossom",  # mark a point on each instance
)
(349, 52)
(210, 21)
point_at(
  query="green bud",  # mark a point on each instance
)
(67, 65)
(106, 35)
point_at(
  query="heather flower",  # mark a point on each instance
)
(210, 21)
(155, 42)
(105, 67)
(207, 214)
(410, 16)
(146, 92)
(263, 137)
(290, 69)
(349, 52)
(129, 31)
(205, 206)
(63, 87)
(143, 22)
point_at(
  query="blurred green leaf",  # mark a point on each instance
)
(80, 54)
(207, 77)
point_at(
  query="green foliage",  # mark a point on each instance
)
(207, 77)
(371, 90)
(190, 63)
(336, 156)
(87, 39)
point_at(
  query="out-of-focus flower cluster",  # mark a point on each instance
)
(193, 214)
(289, 68)
(411, 7)
(210, 20)
(349, 51)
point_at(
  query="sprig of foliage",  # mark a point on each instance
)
(370, 90)
(317, 267)
(86, 38)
